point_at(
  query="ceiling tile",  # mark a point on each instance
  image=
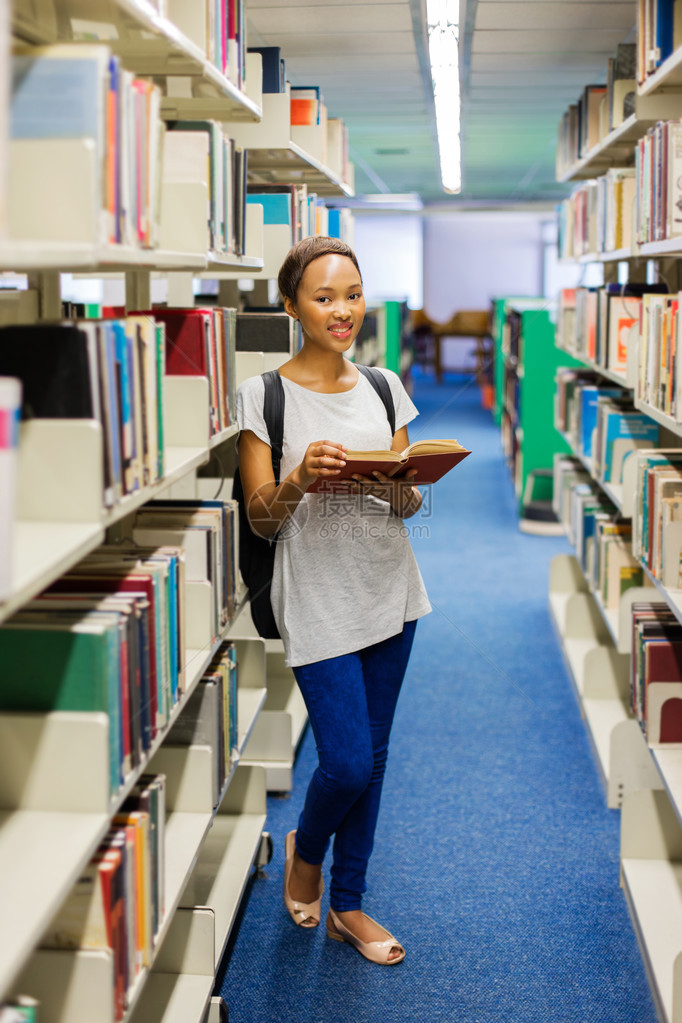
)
(552, 15)
(541, 41)
(330, 18)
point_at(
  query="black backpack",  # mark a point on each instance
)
(256, 553)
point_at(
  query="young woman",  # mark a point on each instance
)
(346, 590)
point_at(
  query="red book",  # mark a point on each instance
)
(431, 458)
(662, 663)
(187, 340)
(130, 582)
(304, 111)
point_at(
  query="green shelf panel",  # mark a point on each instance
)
(394, 330)
(540, 359)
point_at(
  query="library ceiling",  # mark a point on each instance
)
(522, 63)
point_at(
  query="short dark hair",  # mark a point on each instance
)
(302, 254)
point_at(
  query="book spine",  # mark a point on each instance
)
(10, 409)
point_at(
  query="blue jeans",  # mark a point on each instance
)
(351, 701)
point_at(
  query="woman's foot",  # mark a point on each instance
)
(303, 886)
(304, 880)
(370, 938)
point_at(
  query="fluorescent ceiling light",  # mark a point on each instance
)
(442, 20)
(407, 201)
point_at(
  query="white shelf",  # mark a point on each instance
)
(667, 247)
(173, 998)
(614, 491)
(599, 675)
(179, 462)
(226, 434)
(223, 261)
(619, 255)
(275, 155)
(611, 617)
(23, 255)
(219, 878)
(668, 76)
(150, 44)
(609, 151)
(292, 163)
(249, 703)
(669, 763)
(653, 889)
(662, 418)
(46, 549)
(617, 146)
(47, 852)
(43, 551)
(673, 598)
(185, 834)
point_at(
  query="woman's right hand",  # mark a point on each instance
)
(323, 460)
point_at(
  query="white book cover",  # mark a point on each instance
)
(10, 407)
(623, 329)
(186, 157)
(674, 225)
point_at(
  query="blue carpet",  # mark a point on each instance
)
(496, 860)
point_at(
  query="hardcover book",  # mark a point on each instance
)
(431, 458)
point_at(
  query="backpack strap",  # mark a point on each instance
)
(381, 386)
(273, 414)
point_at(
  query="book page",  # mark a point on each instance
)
(432, 447)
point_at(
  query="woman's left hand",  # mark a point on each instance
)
(403, 497)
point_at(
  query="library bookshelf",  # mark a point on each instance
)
(55, 800)
(644, 781)
(526, 359)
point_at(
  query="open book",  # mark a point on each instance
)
(431, 458)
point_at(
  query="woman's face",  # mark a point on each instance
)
(329, 302)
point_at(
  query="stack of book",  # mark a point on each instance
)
(577, 396)
(600, 110)
(604, 326)
(117, 903)
(601, 423)
(218, 28)
(578, 234)
(77, 114)
(656, 673)
(274, 68)
(658, 166)
(657, 523)
(200, 151)
(210, 717)
(110, 371)
(620, 431)
(659, 377)
(599, 215)
(206, 531)
(201, 342)
(658, 31)
(112, 635)
(579, 129)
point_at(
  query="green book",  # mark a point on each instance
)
(65, 662)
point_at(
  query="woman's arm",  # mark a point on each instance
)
(404, 499)
(269, 506)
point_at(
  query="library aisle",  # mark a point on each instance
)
(496, 860)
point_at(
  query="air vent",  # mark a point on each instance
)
(391, 152)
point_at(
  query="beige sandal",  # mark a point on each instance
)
(304, 914)
(375, 951)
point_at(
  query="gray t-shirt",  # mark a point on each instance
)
(345, 576)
